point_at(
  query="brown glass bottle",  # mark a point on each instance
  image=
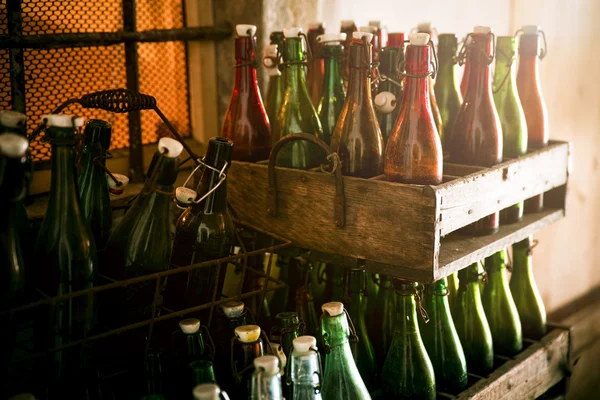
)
(476, 137)
(316, 66)
(348, 27)
(414, 151)
(357, 137)
(246, 123)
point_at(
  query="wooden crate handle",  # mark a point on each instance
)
(339, 204)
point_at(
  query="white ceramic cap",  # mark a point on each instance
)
(370, 29)
(347, 23)
(207, 391)
(304, 344)
(269, 60)
(62, 120)
(424, 27)
(112, 185)
(385, 102)
(23, 396)
(280, 354)
(333, 308)
(269, 363)
(13, 145)
(359, 35)
(315, 25)
(172, 146)
(331, 39)
(243, 30)
(248, 333)
(185, 195)
(189, 325)
(376, 23)
(233, 309)
(531, 29)
(12, 119)
(419, 39)
(482, 29)
(291, 32)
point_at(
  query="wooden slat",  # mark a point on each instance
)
(469, 199)
(461, 169)
(529, 375)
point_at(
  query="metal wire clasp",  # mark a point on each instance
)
(222, 177)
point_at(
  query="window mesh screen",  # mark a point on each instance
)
(55, 75)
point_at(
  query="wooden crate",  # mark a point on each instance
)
(397, 229)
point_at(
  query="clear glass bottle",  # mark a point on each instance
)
(266, 380)
(305, 373)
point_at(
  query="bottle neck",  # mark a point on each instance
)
(216, 202)
(336, 333)
(504, 71)
(245, 69)
(294, 70)
(446, 75)
(479, 79)
(333, 73)
(416, 89)
(406, 310)
(63, 193)
(359, 83)
(522, 259)
(529, 61)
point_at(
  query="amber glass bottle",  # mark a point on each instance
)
(476, 137)
(348, 27)
(246, 122)
(316, 67)
(356, 137)
(530, 92)
(414, 151)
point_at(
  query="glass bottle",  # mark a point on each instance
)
(385, 316)
(305, 372)
(266, 380)
(348, 27)
(510, 112)
(396, 39)
(476, 137)
(202, 372)
(316, 67)
(65, 256)
(355, 303)
(141, 243)
(414, 151)
(387, 101)
(532, 99)
(447, 91)
(380, 32)
(305, 307)
(92, 183)
(375, 48)
(357, 137)
(500, 308)
(426, 27)
(297, 113)
(209, 391)
(471, 322)
(286, 329)
(452, 288)
(246, 122)
(195, 343)
(525, 291)
(341, 379)
(246, 348)
(441, 340)
(407, 371)
(204, 232)
(275, 87)
(333, 94)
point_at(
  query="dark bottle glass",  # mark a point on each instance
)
(525, 291)
(286, 329)
(414, 151)
(370, 297)
(204, 232)
(305, 371)
(316, 67)
(341, 379)
(471, 323)
(266, 380)
(447, 92)
(357, 137)
(202, 372)
(532, 99)
(247, 346)
(297, 113)
(500, 308)
(275, 87)
(305, 307)
(246, 122)
(333, 94)
(476, 137)
(385, 317)
(195, 347)
(141, 243)
(407, 371)
(387, 101)
(355, 303)
(510, 112)
(65, 257)
(93, 187)
(441, 340)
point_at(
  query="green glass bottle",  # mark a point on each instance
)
(276, 86)
(447, 92)
(407, 371)
(333, 94)
(93, 187)
(441, 340)
(471, 323)
(297, 113)
(525, 291)
(355, 302)
(286, 329)
(387, 102)
(370, 297)
(65, 256)
(202, 372)
(500, 308)
(385, 317)
(266, 380)
(341, 379)
(510, 112)
(305, 372)
(452, 289)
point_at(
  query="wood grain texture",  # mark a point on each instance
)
(529, 375)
